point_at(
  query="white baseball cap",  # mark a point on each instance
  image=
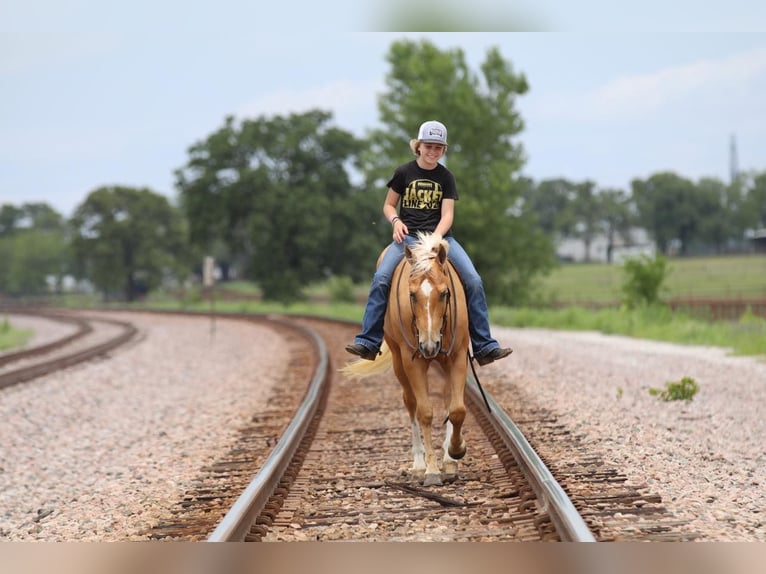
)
(432, 132)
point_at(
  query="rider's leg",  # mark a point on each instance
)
(371, 336)
(478, 315)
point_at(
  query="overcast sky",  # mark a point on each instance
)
(92, 95)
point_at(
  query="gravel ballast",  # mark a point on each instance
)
(704, 457)
(102, 451)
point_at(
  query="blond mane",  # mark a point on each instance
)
(424, 250)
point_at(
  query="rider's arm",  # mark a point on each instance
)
(448, 215)
(389, 205)
(389, 210)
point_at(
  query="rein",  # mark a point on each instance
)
(413, 347)
(451, 274)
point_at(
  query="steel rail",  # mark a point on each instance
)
(83, 328)
(235, 526)
(565, 517)
(47, 367)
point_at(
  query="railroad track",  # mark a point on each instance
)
(347, 479)
(344, 475)
(91, 337)
(491, 500)
(81, 328)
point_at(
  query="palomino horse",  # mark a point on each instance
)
(426, 322)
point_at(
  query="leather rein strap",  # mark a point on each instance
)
(450, 306)
(415, 349)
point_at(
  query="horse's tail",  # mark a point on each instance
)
(362, 368)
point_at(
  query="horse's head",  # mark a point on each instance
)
(429, 291)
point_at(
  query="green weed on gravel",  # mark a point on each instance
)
(683, 390)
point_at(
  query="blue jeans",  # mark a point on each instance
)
(478, 315)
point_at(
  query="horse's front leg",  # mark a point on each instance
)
(418, 450)
(449, 463)
(408, 398)
(425, 419)
(416, 375)
(454, 443)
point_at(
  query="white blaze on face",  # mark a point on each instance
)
(426, 288)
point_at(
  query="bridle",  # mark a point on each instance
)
(450, 306)
(414, 328)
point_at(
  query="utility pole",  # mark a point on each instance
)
(208, 283)
(733, 164)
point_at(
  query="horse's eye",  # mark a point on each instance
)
(413, 297)
(444, 294)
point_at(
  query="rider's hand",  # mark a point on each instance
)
(400, 230)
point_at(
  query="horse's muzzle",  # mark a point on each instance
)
(430, 349)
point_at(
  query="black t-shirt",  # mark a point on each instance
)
(421, 192)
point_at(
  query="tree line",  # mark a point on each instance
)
(683, 217)
(285, 201)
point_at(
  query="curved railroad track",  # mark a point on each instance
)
(348, 478)
(311, 485)
(81, 328)
(91, 337)
(343, 474)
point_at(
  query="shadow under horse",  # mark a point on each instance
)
(426, 323)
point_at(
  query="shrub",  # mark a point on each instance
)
(683, 390)
(644, 277)
(341, 289)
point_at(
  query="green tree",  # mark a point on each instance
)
(479, 110)
(10, 216)
(127, 240)
(588, 214)
(35, 257)
(755, 202)
(616, 216)
(42, 217)
(720, 209)
(38, 216)
(276, 193)
(6, 255)
(33, 248)
(667, 208)
(551, 202)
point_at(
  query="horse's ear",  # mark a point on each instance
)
(442, 254)
(409, 254)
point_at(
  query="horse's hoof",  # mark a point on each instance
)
(432, 479)
(458, 454)
(449, 478)
(417, 471)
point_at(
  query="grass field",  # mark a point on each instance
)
(10, 337)
(731, 277)
(720, 278)
(744, 337)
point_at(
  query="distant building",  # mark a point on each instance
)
(639, 243)
(68, 284)
(758, 240)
